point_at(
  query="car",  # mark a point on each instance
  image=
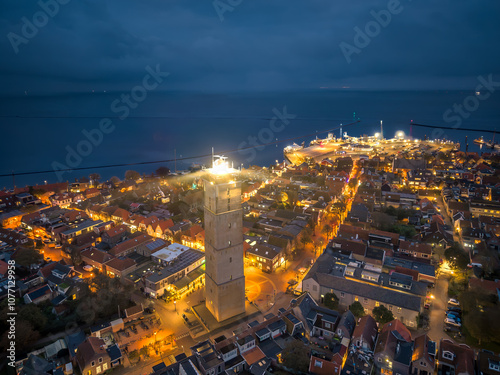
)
(453, 313)
(452, 322)
(88, 267)
(454, 302)
(455, 318)
(452, 329)
(455, 309)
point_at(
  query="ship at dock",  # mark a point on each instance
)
(490, 144)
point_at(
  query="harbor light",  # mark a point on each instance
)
(377, 135)
(400, 134)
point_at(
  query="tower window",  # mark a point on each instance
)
(229, 242)
(229, 225)
(227, 191)
(230, 260)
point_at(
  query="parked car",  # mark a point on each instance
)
(454, 302)
(455, 309)
(453, 313)
(455, 318)
(451, 329)
(452, 322)
(88, 268)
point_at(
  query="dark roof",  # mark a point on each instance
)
(348, 320)
(40, 292)
(114, 352)
(262, 332)
(277, 325)
(270, 348)
(74, 340)
(188, 257)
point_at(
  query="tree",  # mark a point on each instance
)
(305, 239)
(456, 256)
(353, 182)
(357, 309)
(382, 315)
(326, 230)
(132, 175)
(162, 172)
(95, 176)
(318, 245)
(295, 356)
(76, 257)
(26, 336)
(26, 257)
(331, 301)
(115, 180)
(32, 314)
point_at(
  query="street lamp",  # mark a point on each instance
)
(175, 305)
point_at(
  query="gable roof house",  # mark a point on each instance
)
(39, 295)
(394, 349)
(424, 355)
(346, 325)
(94, 358)
(115, 235)
(365, 333)
(95, 257)
(455, 359)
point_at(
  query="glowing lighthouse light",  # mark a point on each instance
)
(220, 165)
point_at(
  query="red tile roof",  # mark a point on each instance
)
(118, 230)
(129, 244)
(396, 325)
(120, 264)
(96, 255)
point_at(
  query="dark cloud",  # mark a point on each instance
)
(260, 45)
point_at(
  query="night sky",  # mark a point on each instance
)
(250, 45)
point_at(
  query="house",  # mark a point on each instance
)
(415, 249)
(119, 267)
(194, 237)
(115, 235)
(322, 278)
(488, 363)
(394, 349)
(365, 333)
(424, 356)
(318, 321)
(95, 258)
(94, 358)
(158, 229)
(39, 295)
(266, 257)
(120, 215)
(455, 358)
(135, 244)
(346, 325)
(207, 358)
(134, 312)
